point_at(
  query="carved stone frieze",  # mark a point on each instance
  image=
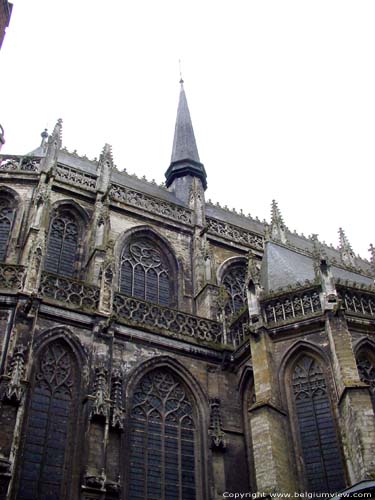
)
(234, 233)
(216, 433)
(151, 204)
(357, 302)
(19, 163)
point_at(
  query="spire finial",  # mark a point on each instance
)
(56, 136)
(44, 136)
(277, 224)
(372, 253)
(347, 254)
(180, 69)
(106, 154)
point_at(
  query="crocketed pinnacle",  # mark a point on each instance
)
(106, 154)
(276, 217)
(277, 224)
(56, 136)
(372, 254)
(346, 251)
(185, 158)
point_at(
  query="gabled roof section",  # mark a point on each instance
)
(282, 266)
(185, 158)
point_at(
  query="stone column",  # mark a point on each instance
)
(355, 405)
(268, 422)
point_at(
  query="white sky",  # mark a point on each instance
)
(281, 93)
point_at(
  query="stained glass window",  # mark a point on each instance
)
(7, 213)
(62, 244)
(145, 273)
(234, 283)
(320, 449)
(162, 440)
(48, 432)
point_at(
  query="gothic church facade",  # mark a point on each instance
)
(155, 346)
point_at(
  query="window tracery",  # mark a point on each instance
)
(366, 370)
(145, 273)
(62, 247)
(7, 213)
(162, 440)
(318, 439)
(48, 431)
(234, 283)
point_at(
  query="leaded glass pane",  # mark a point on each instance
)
(145, 273)
(62, 245)
(6, 221)
(49, 426)
(320, 448)
(234, 283)
(162, 440)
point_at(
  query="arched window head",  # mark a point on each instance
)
(162, 440)
(62, 247)
(366, 370)
(49, 430)
(7, 216)
(234, 283)
(145, 272)
(321, 452)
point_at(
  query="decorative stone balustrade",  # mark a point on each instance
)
(234, 233)
(239, 329)
(75, 177)
(73, 293)
(11, 277)
(292, 306)
(357, 302)
(151, 204)
(11, 163)
(157, 318)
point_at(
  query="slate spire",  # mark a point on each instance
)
(185, 158)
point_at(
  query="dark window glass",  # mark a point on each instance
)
(234, 283)
(320, 449)
(7, 213)
(162, 440)
(62, 245)
(366, 370)
(49, 426)
(145, 273)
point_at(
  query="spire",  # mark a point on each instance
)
(53, 146)
(185, 158)
(277, 224)
(346, 251)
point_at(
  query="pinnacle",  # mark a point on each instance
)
(106, 154)
(344, 242)
(276, 217)
(56, 135)
(372, 252)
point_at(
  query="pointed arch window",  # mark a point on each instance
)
(321, 453)
(234, 283)
(49, 429)
(145, 273)
(62, 247)
(366, 370)
(7, 215)
(162, 440)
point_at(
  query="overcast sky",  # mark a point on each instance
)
(281, 93)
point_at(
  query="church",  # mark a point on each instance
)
(155, 346)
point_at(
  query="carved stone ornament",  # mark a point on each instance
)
(217, 435)
(96, 481)
(117, 414)
(107, 276)
(35, 259)
(14, 388)
(101, 403)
